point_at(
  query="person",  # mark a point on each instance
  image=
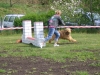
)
(54, 21)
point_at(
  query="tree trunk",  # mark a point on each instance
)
(10, 3)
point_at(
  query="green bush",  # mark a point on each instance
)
(34, 17)
(86, 30)
(18, 22)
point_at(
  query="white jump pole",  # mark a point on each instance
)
(38, 33)
(27, 32)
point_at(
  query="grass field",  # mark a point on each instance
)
(82, 50)
(87, 48)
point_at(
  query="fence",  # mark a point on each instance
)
(12, 28)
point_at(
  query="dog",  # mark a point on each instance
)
(19, 41)
(64, 34)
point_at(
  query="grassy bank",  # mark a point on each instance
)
(21, 9)
(87, 47)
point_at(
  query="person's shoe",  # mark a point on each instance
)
(41, 45)
(44, 44)
(56, 45)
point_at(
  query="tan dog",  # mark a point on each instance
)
(64, 34)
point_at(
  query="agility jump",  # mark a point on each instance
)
(38, 38)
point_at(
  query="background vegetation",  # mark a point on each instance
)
(41, 10)
(67, 6)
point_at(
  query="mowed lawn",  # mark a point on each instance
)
(80, 58)
(86, 47)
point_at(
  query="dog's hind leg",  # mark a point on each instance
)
(50, 40)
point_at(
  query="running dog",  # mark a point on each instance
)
(64, 34)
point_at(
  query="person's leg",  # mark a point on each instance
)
(57, 34)
(50, 34)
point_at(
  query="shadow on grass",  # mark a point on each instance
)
(30, 45)
(68, 43)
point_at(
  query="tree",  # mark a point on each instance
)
(91, 5)
(12, 2)
(66, 6)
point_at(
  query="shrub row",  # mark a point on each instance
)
(35, 17)
(86, 30)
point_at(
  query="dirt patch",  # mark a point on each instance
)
(40, 66)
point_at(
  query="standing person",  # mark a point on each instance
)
(53, 24)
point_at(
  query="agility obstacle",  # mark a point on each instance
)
(38, 38)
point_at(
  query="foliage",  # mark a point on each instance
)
(27, 2)
(88, 30)
(43, 16)
(2, 71)
(91, 5)
(69, 6)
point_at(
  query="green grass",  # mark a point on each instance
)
(80, 73)
(2, 71)
(87, 47)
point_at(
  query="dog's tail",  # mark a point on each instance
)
(19, 41)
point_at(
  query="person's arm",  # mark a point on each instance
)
(61, 22)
